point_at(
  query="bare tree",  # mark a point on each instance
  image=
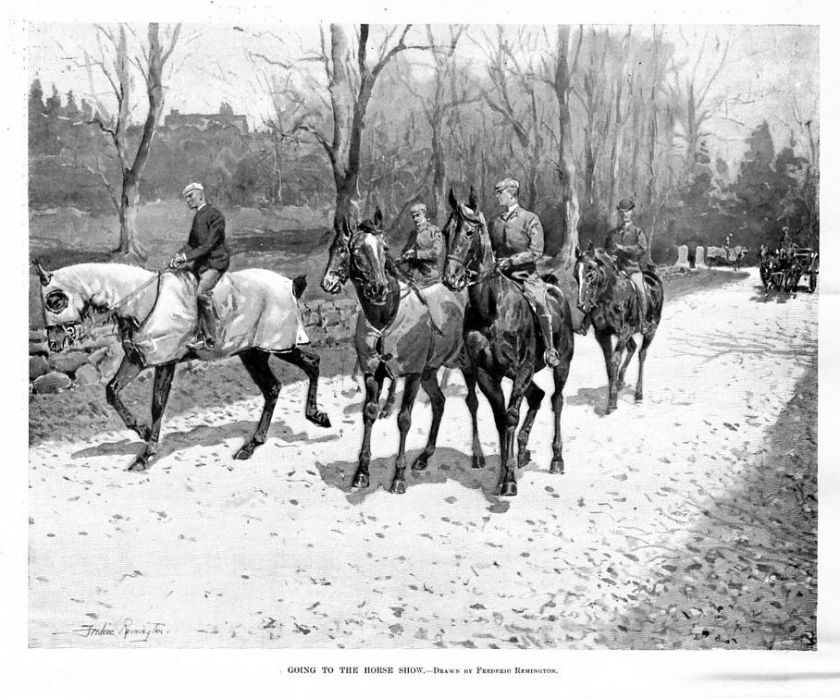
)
(118, 70)
(558, 74)
(350, 87)
(625, 78)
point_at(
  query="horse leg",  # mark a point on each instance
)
(373, 386)
(491, 386)
(648, 338)
(309, 362)
(561, 375)
(631, 349)
(533, 395)
(605, 340)
(521, 381)
(160, 395)
(389, 401)
(256, 363)
(430, 384)
(618, 353)
(478, 460)
(126, 373)
(412, 384)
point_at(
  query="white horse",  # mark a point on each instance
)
(156, 314)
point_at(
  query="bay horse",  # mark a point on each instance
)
(155, 314)
(401, 332)
(503, 340)
(610, 300)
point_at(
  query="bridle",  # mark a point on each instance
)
(475, 276)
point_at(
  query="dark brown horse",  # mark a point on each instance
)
(609, 300)
(503, 340)
(400, 333)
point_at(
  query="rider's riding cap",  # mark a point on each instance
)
(193, 186)
(508, 183)
(626, 205)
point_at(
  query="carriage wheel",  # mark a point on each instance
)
(812, 282)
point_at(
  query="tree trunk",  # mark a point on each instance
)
(129, 203)
(566, 165)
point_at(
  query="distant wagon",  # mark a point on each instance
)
(808, 262)
(717, 256)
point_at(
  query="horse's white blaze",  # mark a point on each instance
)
(580, 284)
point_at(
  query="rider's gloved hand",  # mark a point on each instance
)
(178, 260)
(504, 264)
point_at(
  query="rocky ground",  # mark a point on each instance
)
(688, 520)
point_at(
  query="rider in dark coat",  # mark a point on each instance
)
(425, 253)
(518, 243)
(209, 256)
(628, 244)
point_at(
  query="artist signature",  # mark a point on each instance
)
(126, 629)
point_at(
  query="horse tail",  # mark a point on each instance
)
(299, 286)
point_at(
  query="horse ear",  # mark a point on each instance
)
(43, 275)
(473, 200)
(453, 202)
(577, 252)
(377, 217)
(590, 247)
(345, 228)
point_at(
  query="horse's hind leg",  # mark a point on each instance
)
(631, 349)
(648, 338)
(126, 373)
(256, 363)
(491, 386)
(309, 362)
(160, 396)
(534, 396)
(605, 340)
(412, 383)
(430, 384)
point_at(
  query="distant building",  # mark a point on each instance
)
(225, 117)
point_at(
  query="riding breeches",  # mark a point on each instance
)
(638, 280)
(207, 281)
(537, 294)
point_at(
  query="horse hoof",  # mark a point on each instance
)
(421, 463)
(524, 458)
(320, 419)
(638, 397)
(557, 467)
(398, 487)
(385, 413)
(243, 453)
(507, 489)
(478, 462)
(361, 481)
(138, 466)
(143, 432)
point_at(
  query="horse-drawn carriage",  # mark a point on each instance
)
(729, 256)
(806, 262)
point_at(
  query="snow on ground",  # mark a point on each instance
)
(204, 551)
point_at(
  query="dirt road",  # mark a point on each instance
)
(656, 536)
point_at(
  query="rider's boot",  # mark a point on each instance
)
(551, 357)
(207, 326)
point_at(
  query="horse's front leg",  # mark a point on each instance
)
(605, 340)
(373, 386)
(478, 459)
(533, 395)
(521, 381)
(491, 386)
(126, 373)
(309, 362)
(412, 383)
(618, 353)
(160, 396)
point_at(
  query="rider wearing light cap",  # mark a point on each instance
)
(518, 242)
(425, 253)
(628, 243)
(210, 258)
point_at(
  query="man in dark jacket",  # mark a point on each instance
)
(628, 244)
(209, 256)
(425, 253)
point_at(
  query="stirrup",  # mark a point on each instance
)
(205, 344)
(551, 358)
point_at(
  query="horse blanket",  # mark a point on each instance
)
(256, 308)
(420, 334)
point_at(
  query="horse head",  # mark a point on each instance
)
(368, 257)
(593, 272)
(338, 265)
(64, 309)
(463, 234)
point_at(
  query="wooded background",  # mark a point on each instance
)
(391, 115)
